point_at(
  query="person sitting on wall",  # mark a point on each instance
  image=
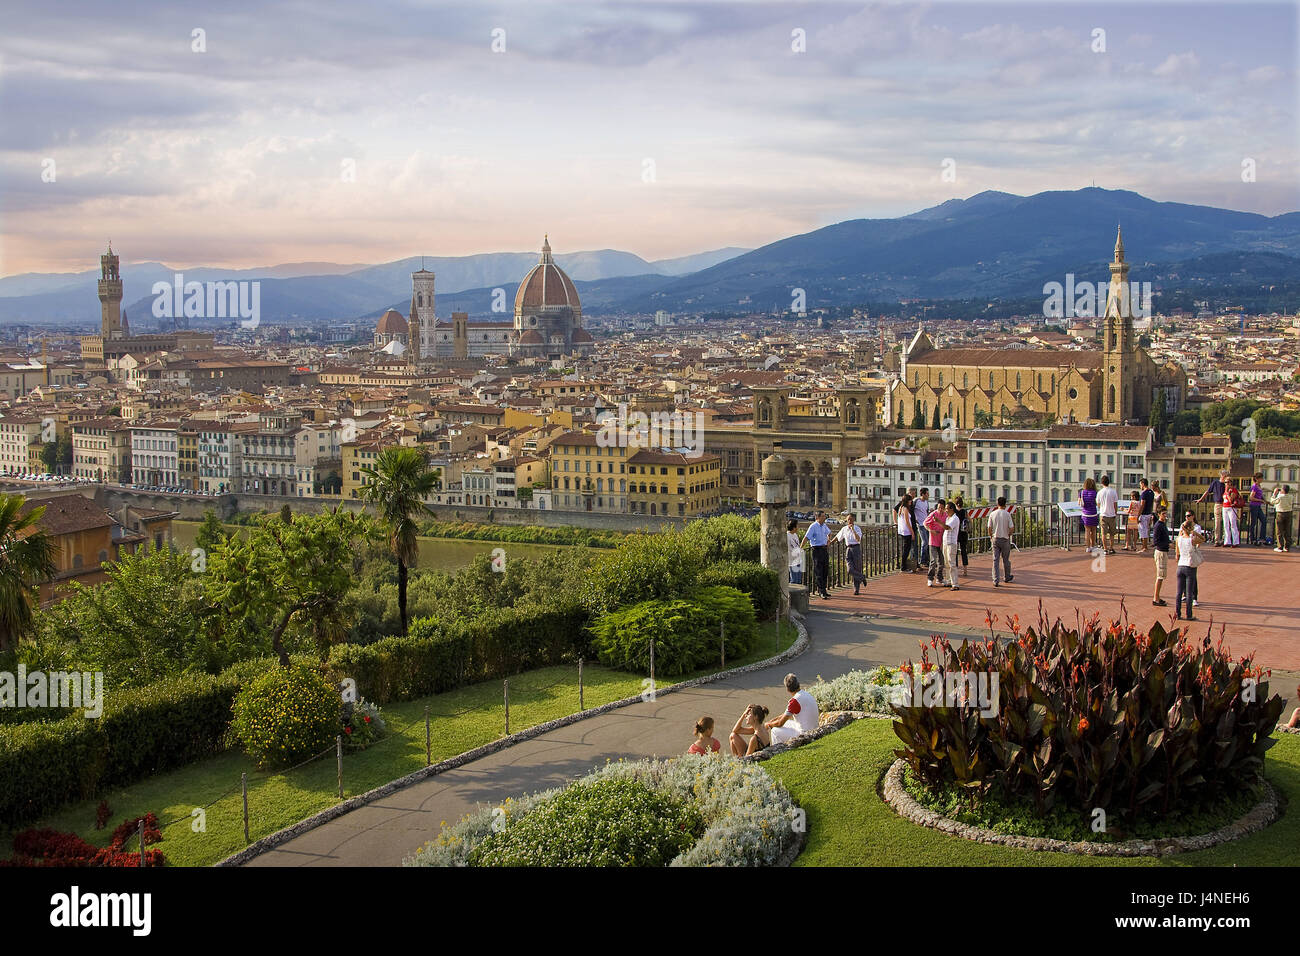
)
(800, 715)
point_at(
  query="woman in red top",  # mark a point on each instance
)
(1231, 516)
(705, 742)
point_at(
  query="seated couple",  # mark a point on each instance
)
(753, 731)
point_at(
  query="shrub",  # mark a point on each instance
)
(602, 823)
(48, 847)
(1100, 717)
(645, 567)
(871, 691)
(684, 631)
(725, 538)
(287, 715)
(762, 584)
(749, 817)
(362, 724)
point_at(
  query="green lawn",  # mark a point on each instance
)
(835, 780)
(462, 720)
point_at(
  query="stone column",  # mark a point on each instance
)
(773, 499)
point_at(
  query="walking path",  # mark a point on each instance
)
(1251, 591)
(384, 832)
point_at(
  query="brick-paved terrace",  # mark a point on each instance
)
(1251, 592)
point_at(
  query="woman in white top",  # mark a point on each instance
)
(796, 552)
(1188, 557)
(851, 535)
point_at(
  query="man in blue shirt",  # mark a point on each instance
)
(818, 536)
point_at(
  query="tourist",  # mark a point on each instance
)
(1188, 559)
(1160, 544)
(705, 742)
(1108, 508)
(1215, 494)
(801, 711)
(1256, 502)
(935, 524)
(963, 536)
(750, 735)
(905, 523)
(1147, 515)
(1294, 722)
(1231, 517)
(796, 552)
(921, 509)
(952, 527)
(1200, 556)
(1089, 517)
(851, 535)
(818, 536)
(1131, 522)
(1000, 527)
(1162, 500)
(1283, 504)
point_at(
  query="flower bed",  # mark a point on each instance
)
(749, 818)
(859, 691)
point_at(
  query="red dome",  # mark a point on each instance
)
(546, 286)
(391, 323)
(582, 335)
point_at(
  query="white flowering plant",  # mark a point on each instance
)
(869, 691)
(749, 817)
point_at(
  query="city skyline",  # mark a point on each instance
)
(663, 131)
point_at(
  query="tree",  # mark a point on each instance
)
(1184, 423)
(398, 484)
(50, 456)
(210, 532)
(1159, 422)
(285, 579)
(983, 418)
(934, 422)
(26, 560)
(918, 416)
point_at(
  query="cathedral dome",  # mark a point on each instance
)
(392, 323)
(546, 287)
(583, 336)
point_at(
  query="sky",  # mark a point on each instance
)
(367, 132)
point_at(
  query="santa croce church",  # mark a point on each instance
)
(980, 387)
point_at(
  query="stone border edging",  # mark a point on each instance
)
(1263, 814)
(258, 847)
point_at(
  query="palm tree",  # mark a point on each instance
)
(398, 483)
(26, 560)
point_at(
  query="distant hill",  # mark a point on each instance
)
(993, 247)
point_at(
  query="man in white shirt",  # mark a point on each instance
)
(1108, 508)
(1000, 528)
(951, 528)
(851, 536)
(800, 715)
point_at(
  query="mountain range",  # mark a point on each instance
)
(991, 246)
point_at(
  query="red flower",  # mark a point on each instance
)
(1083, 724)
(366, 719)
(347, 730)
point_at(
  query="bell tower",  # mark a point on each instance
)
(1119, 344)
(110, 296)
(422, 340)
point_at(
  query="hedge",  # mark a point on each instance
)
(143, 731)
(435, 657)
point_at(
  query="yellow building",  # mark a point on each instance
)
(672, 483)
(1198, 460)
(101, 449)
(187, 456)
(586, 476)
(18, 434)
(357, 455)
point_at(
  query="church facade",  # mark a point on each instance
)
(975, 387)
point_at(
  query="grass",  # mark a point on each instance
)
(835, 780)
(462, 720)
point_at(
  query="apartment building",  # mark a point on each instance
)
(101, 450)
(220, 446)
(1279, 460)
(586, 476)
(1008, 462)
(19, 433)
(672, 483)
(1076, 453)
(268, 456)
(154, 454)
(877, 480)
(1198, 459)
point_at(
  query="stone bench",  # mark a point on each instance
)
(799, 598)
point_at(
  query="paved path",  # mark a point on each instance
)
(383, 832)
